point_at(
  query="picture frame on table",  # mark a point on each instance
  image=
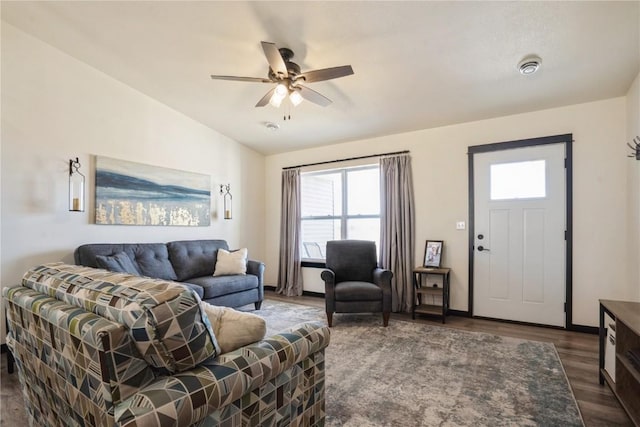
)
(433, 253)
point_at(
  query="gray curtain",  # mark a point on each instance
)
(289, 269)
(397, 227)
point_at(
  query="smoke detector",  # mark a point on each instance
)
(529, 65)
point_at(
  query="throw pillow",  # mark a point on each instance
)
(229, 263)
(234, 329)
(118, 263)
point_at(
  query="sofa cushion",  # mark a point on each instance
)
(233, 328)
(87, 254)
(150, 259)
(153, 260)
(119, 263)
(223, 285)
(194, 258)
(231, 263)
(195, 288)
(165, 319)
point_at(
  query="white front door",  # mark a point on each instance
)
(519, 242)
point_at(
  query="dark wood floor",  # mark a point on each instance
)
(578, 353)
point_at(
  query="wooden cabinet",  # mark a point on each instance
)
(424, 294)
(626, 384)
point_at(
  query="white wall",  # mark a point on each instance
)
(55, 108)
(633, 179)
(439, 157)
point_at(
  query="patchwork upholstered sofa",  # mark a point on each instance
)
(192, 262)
(98, 348)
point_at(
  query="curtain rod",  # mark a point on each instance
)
(347, 159)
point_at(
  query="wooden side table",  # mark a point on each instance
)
(419, 292)
(626, 384)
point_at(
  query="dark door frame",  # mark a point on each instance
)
(567, 139)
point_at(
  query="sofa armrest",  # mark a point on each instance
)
(257, 269)
(72, 363)
(221, 381)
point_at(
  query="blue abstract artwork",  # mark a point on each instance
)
(132, 193)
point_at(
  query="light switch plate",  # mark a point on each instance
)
(460, 225)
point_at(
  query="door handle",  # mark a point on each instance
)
(482, 248)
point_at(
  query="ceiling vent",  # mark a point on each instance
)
(529, 65)
(272, 126)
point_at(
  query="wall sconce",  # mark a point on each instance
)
(76, 187)
(225, 191)
(635, 151)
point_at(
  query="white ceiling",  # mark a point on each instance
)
(417, 64)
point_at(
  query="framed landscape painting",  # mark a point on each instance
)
(433, 253)
(130, 193)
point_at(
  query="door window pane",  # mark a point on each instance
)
(518, 180)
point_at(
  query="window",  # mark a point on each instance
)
(339, 204)
(518, 180)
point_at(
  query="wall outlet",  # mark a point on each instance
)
(460, 225)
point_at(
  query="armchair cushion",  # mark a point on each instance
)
(352, 260)
(358, 291)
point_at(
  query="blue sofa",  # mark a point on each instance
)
(191, 262)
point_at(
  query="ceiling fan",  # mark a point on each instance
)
(288, 78)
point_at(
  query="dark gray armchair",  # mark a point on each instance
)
(353, 282)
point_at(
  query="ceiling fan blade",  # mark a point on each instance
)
(313, 96)
(326, 74)
(275, 59)
(242, 79)
(265, 99)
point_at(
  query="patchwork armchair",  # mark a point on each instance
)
(353, 282)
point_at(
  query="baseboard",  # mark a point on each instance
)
(517, 322)
(304, 293)
(459, 313)
(594, 330)
(313, 294)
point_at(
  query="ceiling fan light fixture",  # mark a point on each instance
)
(295, 98)
(281, 90)
(279, 94)
(529, 65)
(275, 101)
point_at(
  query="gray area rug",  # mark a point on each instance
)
(412, 374)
